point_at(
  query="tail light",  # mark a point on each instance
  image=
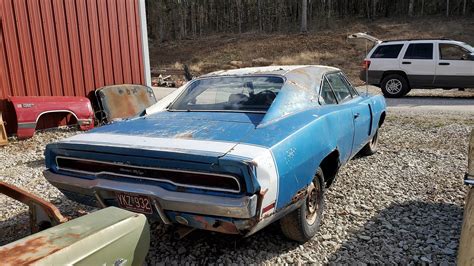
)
(366, 64)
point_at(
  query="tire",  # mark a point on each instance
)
(394, 86)
(371, 147)
(303, 223)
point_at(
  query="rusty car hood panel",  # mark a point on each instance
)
(101, 238)
(124, 101)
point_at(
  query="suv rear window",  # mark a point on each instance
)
(419, 51)
(387, 51)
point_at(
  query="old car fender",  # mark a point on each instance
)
(379, 109)
(298, 157)
(110, 236)
(29, 110)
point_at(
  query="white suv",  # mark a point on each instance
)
(398, 66)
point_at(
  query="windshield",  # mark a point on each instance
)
(232, 94)
(469, 47)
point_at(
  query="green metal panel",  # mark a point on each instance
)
(106, 237)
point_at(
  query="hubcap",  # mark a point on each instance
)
(312, 203)
(394, 86)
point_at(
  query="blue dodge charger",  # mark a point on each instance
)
(231, 151)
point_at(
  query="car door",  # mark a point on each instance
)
(341, 120)
(360, 109)
(453, 68)
(419, 64)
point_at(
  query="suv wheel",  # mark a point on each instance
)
(394, 86)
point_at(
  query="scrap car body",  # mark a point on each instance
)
(109, 236)
(227, 170)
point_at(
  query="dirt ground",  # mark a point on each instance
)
(327, 47)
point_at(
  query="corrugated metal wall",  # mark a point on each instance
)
(67, 47)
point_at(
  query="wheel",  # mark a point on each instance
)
(371, 147)
(394, 86)
(303, 223)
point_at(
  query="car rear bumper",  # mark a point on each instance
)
(374, 77)
(102, 191)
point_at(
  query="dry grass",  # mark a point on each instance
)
(326, 47)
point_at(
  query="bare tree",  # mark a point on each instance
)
(447, 8)
(304, 16)
(410, 8)
(422, 7)
(464, 8)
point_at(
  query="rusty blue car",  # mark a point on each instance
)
(231, 151)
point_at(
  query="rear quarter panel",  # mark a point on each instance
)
(299, 154)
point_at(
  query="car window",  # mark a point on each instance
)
(327, 95)
(449, 51)
(339, 87)
(419, 51)
(353, 91)
(387, 51)
(242, 94)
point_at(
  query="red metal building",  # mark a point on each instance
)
(69, 48)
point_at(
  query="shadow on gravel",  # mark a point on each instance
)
(402, 233)
(35, 164)
(203, 247)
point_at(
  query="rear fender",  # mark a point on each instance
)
(29, 110)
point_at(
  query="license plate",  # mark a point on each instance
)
(136, 203)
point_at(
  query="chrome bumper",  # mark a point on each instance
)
(242, 208)
(469, 179)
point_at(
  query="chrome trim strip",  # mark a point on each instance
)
(243, 208)
(27, 125)
(96, 174)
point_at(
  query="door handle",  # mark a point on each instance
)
(444, 64)
(406, 63)
(356, 115)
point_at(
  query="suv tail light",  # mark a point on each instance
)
(366, 64)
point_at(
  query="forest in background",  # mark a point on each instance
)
(189, 19)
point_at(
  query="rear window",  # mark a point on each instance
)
(231, 94)
(419, 51)
(387, 51)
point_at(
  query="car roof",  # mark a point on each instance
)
(298, 92)
(284, 70)
(443, 40)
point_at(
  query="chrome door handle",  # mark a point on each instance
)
(356, 115)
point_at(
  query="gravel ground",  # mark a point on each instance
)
(402, 205)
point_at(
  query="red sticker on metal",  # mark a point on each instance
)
(269, 207)
(136, 203)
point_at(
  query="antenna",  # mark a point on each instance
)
(366, 71)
